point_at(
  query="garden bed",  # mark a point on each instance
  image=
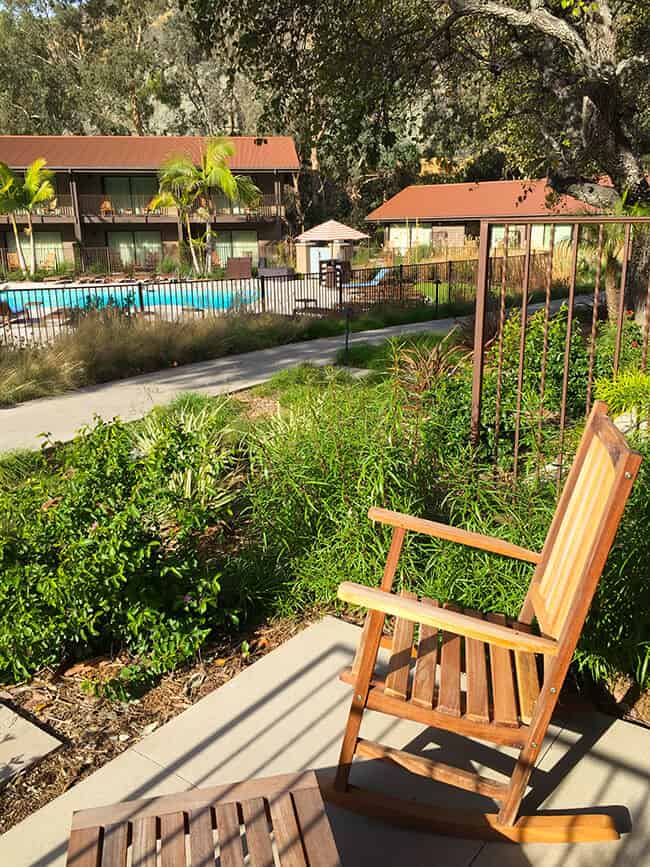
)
(95, 730)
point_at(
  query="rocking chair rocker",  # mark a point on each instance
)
(501, 700)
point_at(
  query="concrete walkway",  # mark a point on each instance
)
(286, 713)
(61, 417)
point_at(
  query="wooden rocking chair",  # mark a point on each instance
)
(501, 699)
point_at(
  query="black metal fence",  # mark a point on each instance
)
(37, 313)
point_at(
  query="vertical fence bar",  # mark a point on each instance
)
(594, 316)
(567, 351)
(479, 330)
(502, 322)
(522, 346)
(621, 301)
(547, 312)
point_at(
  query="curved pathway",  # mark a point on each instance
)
(61, 417)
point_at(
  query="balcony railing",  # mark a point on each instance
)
(59, 206)
(104, 205)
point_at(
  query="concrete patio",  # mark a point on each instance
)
(286, 713)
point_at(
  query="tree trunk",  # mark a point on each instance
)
(208, 246)
(32, 245)
(612, 289)
(19, 246)
(195, 261)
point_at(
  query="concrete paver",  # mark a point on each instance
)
(287, 713)
(21, 743)
(61, 417)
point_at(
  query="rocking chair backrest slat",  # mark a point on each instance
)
(596, 487)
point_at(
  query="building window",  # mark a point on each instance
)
(135, 249)
(236, 244)
(129, 195)
(49, 249)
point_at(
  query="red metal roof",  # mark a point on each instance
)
(460, 202)
(119, 152)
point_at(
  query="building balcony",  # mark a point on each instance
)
(58, 210)
(135, 209)
(122, 209)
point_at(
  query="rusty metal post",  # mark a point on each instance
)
(502, 322)
(621, 300)
(522, 345)
(547, 311)
(567, 350)
(479, 330)
(594, 317)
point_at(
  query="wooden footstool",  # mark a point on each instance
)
(276, 821)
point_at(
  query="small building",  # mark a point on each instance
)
(104, 184)
(447, 215)
(329, 240)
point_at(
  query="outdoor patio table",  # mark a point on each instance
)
(277, 820)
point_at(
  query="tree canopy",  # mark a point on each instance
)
(368, 88)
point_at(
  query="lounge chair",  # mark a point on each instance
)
(513, 672)
(380, 277)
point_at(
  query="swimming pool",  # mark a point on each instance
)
(209, 296)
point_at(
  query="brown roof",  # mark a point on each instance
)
(117, 152)
(331, 230)
(446, 202)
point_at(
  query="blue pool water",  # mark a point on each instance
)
(208, 296)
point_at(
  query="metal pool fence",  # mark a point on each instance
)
(35, 314)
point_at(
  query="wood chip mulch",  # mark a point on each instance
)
(95, 730)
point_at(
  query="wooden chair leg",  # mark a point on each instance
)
(520, 776)
(359, 698)
(368, 657)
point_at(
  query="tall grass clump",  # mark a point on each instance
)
(108, 344)
(27, 373)
(315, 472)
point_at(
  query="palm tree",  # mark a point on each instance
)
(37, 189)
(173, 195)
(10, 203)
(197, 185)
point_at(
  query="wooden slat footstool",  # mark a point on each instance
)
(275, 821)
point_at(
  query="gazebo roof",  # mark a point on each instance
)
(331, 230)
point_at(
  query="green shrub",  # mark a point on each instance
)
(115, 543)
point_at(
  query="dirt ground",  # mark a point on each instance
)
(95, 730)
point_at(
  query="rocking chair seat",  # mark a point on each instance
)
(454, 682)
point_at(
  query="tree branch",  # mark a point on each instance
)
(538, 18)
(598, 195)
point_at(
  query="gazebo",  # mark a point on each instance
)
(329, 240)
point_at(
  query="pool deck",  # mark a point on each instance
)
(61, 417)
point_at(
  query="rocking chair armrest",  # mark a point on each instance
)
(444, 618)
(453, 534)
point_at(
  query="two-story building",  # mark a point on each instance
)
(104, 185)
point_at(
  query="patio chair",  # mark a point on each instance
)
(283, 822)
(502, 698)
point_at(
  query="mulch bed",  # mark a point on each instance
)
(95, 730)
